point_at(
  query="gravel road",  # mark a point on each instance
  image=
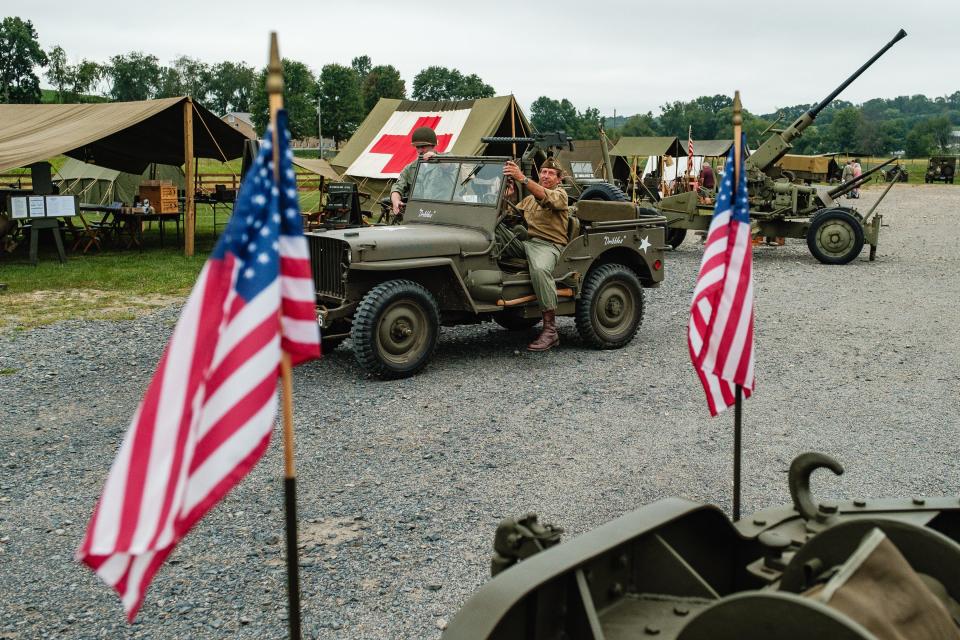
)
(402, 483)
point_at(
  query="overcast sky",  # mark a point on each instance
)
(611, 54)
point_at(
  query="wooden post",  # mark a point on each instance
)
(189, 210)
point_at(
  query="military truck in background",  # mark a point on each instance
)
(391, 287)
(941, 168)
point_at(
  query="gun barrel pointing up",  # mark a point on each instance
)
(777, 146)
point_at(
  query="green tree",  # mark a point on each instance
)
(471, 87)
(433, 83)
(441, 83)
(383, 81)
(844, 128)
(299, 99)
(362, 65)
(919, 142)
(193, 78)
(20, 53)
(341, 103)
(639, 125)
(547, 114)
(231, 87)
(84, 75)
(135, 76)
(59, 72)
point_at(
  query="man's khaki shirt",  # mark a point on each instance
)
(547, 218)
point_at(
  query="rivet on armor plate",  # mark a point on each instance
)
(681, 611)
(860, 502)
(650, 630)
(919, 501)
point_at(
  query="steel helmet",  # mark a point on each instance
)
(424, 137)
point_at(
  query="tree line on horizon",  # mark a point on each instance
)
(916, 125)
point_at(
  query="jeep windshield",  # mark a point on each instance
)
(466, 182)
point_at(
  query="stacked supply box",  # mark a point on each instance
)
(161, 194)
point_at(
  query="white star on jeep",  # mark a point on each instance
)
(645, 243)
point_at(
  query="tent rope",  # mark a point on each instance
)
(209, 133)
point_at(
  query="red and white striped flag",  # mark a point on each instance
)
(690, 148)
(207, 415)
(720, 332)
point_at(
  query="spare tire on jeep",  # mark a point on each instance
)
(604, 191)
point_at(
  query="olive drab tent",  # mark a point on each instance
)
(380, 148)
(99, 185)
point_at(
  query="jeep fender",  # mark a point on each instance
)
(437, 275)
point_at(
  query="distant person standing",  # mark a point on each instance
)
(707, 179)
(847, 175)
(856, 174)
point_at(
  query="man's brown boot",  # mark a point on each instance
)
(549, 337)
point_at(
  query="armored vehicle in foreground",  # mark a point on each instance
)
(941, 168)
(391, 287)
(781, 207)
(849, 570)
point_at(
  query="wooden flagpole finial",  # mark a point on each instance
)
(737, 135)
(274, 68)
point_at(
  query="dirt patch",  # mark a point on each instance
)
(26, 310)
(329, 532)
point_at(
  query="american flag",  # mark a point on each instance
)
(207, 415)
(720, 333)
(690, 146)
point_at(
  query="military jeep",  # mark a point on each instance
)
(390, 287)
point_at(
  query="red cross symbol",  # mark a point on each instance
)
(399, 146)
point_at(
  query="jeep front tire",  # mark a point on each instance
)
(610, 308)
(395, 329)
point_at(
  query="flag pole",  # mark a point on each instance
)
(275, 95)
(738, 397)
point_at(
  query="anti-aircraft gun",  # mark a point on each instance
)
(779, 207)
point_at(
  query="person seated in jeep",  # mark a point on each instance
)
(424, 140)
(545, 213)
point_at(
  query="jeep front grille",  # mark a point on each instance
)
(328, 262)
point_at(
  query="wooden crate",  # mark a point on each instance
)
(158, 193)
(165, 205)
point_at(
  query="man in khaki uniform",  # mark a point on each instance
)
(546, 213)
(424, 140)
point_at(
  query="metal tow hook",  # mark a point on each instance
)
(801, 469)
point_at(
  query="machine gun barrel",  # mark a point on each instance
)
(777, 146)
(856, 74)
(506, 140)
(856, 182)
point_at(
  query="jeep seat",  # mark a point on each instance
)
(521, 264)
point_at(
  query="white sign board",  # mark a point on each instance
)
(18, 207)
(61, 206)
(36, 206)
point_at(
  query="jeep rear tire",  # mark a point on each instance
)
(610, 308)
(395, 329)
(512, 322)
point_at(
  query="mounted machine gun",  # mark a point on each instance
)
(778, 207)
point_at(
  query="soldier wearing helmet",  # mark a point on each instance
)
(424, 140)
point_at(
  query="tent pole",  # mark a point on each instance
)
(189, 211)
(513, 122)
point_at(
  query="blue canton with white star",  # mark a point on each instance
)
(263, 211)
(741, 208)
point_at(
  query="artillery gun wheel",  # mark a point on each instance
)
(513, 322)
(604, 191)
(835, 236)
(610, 308)
(395, 329)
